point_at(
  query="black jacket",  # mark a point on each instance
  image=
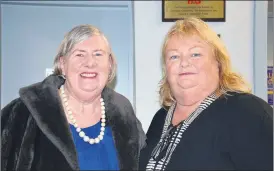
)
(36, 134)
(234, 133)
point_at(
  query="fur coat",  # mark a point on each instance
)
(36, 134)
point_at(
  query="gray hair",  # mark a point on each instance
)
(77, 35)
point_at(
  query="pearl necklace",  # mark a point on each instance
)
(78, 129)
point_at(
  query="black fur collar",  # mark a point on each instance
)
(44, 103)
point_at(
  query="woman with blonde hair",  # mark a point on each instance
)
(72, 120)
(209, 119)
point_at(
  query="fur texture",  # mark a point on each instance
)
(36, 134)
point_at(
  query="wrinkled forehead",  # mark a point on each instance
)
(177, 41)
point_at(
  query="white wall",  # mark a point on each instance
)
(270, 41)
(237, 33)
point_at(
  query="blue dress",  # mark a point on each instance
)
(102, 156)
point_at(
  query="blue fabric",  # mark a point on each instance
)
(102, 156)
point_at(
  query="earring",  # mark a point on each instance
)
(109, 76)
(63, 76)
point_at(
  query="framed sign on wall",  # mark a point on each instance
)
(173, 10)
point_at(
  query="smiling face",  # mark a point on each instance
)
(87, 67)
(190, 65)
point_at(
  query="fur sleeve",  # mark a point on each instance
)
(142, 135)
(127, 109)
(12, 125)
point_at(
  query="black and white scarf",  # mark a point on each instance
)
(160, 158)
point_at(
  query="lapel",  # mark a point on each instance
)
(114, 120)
(124, 125)
(44, 104)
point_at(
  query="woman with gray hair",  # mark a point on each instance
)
(72, 120)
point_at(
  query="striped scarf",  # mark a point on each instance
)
(159, 161)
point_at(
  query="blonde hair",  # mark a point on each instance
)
(77, 35)
(229, 80)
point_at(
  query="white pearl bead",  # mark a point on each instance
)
(101, 99)
(102, 129)
(102, 133)
(78, 129)
(103, 120)
(81, 134)
(73, 121)
(100, 137)
(91, 141)
(97, 140)
(103, 107)
(86, 138)
(103, 124)
(103, 116)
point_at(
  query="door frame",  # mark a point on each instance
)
(260, 49)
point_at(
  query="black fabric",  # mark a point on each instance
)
(234, 133)
(36, 134)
